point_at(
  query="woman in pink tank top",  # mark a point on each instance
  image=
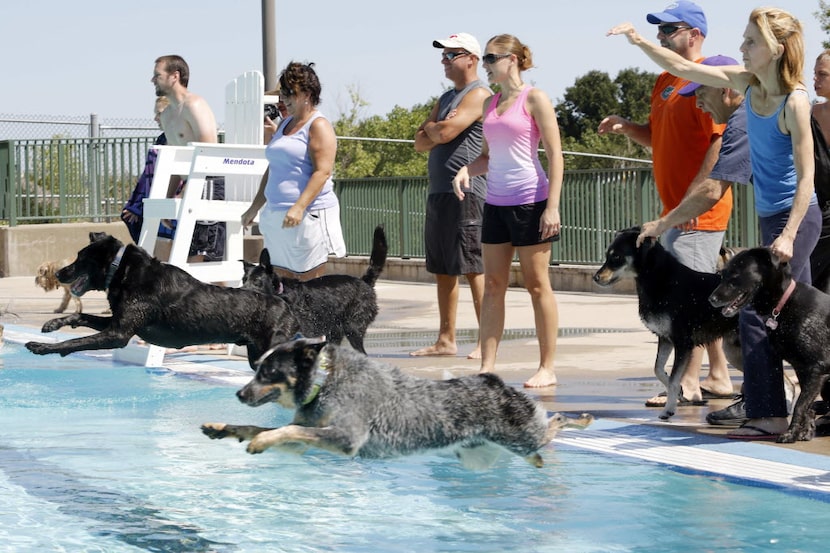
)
(521, 213)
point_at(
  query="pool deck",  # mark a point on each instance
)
(604, 365)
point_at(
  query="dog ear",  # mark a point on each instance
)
(265, 258)
(95, 236)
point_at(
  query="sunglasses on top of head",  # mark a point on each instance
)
(671, 29)
(493, 58)
(449, 56)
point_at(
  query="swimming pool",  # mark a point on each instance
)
(97, 456)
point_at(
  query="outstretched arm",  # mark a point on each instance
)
(730, 76)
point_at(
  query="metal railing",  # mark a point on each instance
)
(89, 180)
(594, 205)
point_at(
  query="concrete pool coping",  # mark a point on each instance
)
(604, 366)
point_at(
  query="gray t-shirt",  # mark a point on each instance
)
(446, 159)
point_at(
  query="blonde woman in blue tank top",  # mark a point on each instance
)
(781, 146)
(521, 211)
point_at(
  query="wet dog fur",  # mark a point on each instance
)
(46, 279)
(367, 408)
(801, 335)
(673, 304)
(163, 305)
(334, 306)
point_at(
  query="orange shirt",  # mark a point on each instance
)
(680, 136)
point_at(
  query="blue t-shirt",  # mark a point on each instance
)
(733, 163)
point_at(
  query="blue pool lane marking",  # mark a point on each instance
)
(742, 462)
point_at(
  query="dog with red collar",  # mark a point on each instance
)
(797, 320)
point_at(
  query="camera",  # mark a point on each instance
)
(271, 111)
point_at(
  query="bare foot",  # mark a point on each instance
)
(542, 378)
(475, 354)
(216, 347)
(436, 350)
(717, 388)
(186, 349)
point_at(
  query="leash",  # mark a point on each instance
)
(114, 267)
(772, 322)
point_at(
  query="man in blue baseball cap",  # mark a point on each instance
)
(681, 12)
(684, 142)
(725, 105)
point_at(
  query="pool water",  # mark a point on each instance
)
(97, 456)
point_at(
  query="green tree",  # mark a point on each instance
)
(587, 101)
(594, 96)
(823, 16)
(358, 155)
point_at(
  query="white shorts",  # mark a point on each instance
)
(304, 247)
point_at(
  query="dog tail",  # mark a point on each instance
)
(377, 259)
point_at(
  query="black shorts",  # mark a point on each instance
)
(517, 224)
(452, 234)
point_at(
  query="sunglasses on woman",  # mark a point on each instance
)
(493, 58)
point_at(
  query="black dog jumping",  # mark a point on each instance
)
(673, 303)
(163, 305)
(334, 306)
(797, 322)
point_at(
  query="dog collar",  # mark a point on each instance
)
(772, 322)
(114, 267)
(315, 390)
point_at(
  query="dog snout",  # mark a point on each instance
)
(604, 276)
(243, 394)
(715, 299)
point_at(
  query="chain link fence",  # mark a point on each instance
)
(25, 127)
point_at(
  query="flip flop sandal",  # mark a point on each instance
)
(660, 401)
(762, 435)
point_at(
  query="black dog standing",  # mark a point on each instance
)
(797, 319)
(163, 305)
(673, 304)
(334, 306)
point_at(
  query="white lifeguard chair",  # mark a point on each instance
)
(241, 160)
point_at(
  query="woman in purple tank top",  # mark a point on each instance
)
(521, 213)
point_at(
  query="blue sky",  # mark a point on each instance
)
(96, 56)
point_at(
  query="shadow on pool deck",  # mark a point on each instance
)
(604, 356)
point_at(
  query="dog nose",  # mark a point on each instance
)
(241, 395)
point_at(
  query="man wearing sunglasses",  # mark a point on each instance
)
(685, 142)
(452, 231)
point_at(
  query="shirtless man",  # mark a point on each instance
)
(189, 118)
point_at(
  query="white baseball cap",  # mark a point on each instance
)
(460, 40)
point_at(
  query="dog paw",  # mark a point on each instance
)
(582, 421)
(51, 326)
(256, 446)
(38, 348)
(666, 415)
(786, 438)
(215, 430)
